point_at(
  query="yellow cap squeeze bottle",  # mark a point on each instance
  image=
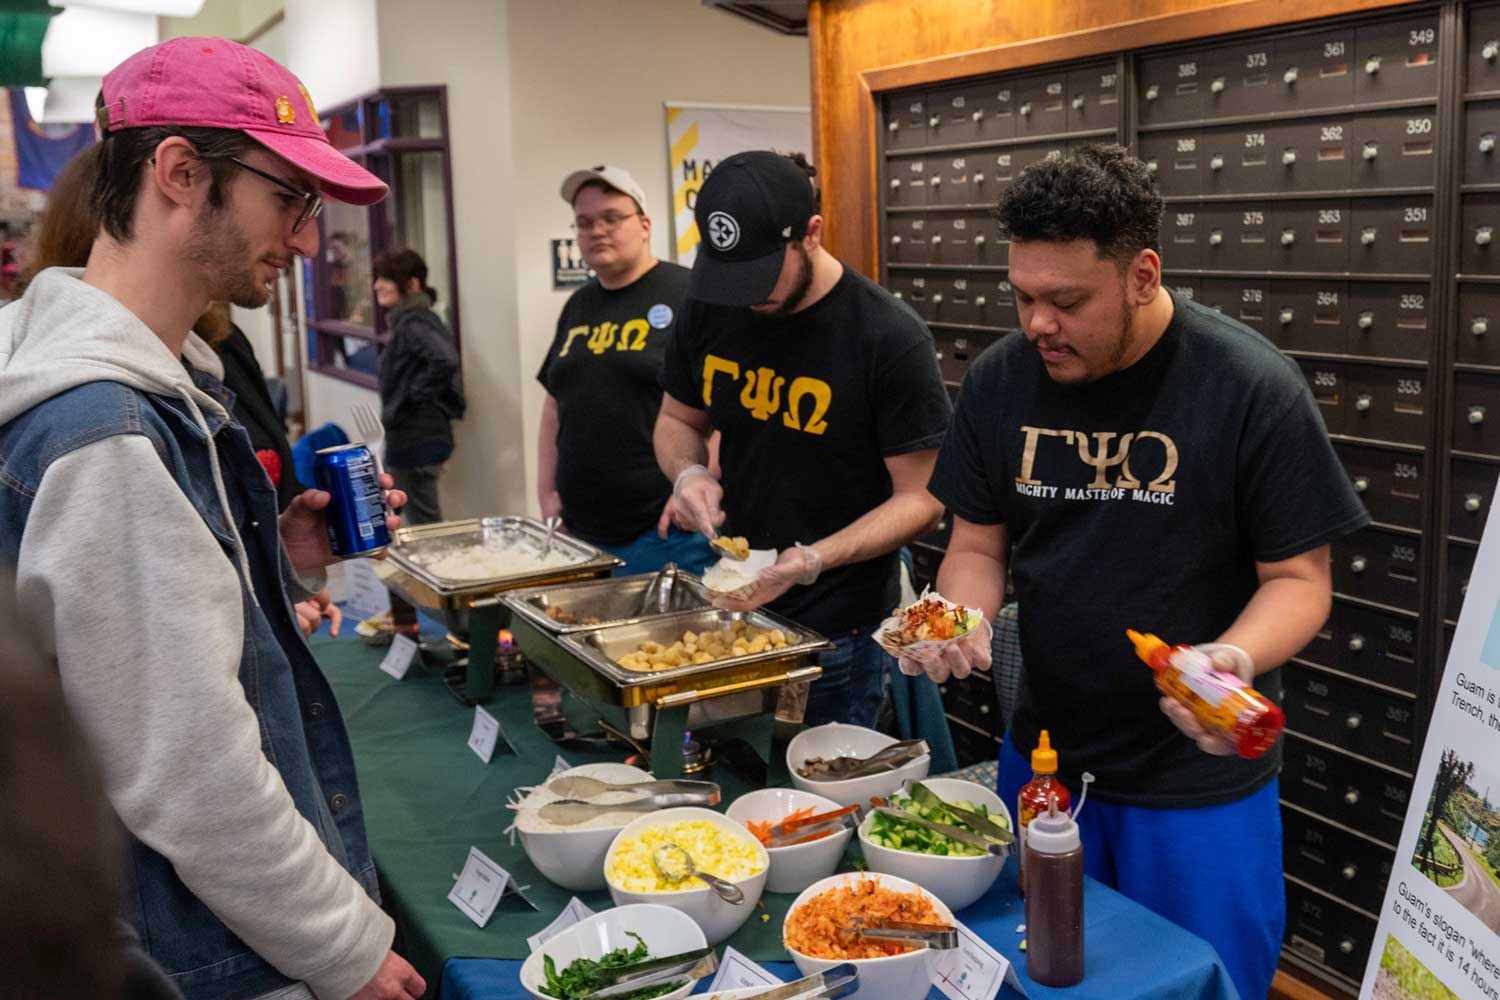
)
(1036, 796)
(1221, 702)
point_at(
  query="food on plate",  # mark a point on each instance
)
(713, 849)
(930, 618)
(482, 562)
(727, 576)
(565, 617)
(899, 835)
(739, 639)
(737, 546)
(581, 977)
(815, 927)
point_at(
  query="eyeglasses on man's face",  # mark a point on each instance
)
(312, 204)
(609, 221)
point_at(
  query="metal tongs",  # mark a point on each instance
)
(657, 597)
(686, 967)
(571, 812)
(580, 786)
(979, 823)
(889, 759)
(957, 833)
(785, 834)
(830, 984)
(939, 937)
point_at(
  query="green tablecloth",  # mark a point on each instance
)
(428, 798)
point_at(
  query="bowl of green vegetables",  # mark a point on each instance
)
(568, 966)
(957, 870)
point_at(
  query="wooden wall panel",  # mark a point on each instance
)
(859, 47)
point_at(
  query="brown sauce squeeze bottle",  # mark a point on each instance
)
(1053, 862)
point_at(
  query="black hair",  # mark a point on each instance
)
(123, 153)
(803, 163)
(1100, 193)
(401, 265)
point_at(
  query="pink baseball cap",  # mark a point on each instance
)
(216, 83)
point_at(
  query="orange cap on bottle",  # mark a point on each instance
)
(1044, 758)
(1145, 645)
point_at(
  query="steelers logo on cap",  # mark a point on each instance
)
(723, 231)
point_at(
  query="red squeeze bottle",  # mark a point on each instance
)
(1219, 701)
(1036, 797)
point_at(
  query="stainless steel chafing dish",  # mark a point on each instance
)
(736, 697)
(470, 606)
(621, 600)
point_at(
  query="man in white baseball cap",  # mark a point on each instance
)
(596, 467)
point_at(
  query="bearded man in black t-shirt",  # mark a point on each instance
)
(827, 396)
(1138, 461)
(595, 465)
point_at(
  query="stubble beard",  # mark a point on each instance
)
(220, 249)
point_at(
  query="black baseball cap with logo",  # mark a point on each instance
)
(750, 207)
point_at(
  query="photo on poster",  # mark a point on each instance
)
(1458, 845)
(1402, 977)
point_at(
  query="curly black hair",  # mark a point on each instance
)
(1100, 193)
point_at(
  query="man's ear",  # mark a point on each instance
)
(1143, 280)
(814, 237)
(177, 172)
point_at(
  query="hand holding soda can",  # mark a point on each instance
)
(356, 513)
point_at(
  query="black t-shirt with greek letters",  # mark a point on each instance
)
(809, 406)
(1142, 500)
(602, 370)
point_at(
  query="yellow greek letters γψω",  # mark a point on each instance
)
(822, 395)
(603, 337)
(714, 365)
(641, 329)
(1028, 454)
(762, 393)
(1100, 458)
(574, 332)
(1163, 483)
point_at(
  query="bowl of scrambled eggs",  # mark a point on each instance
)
(717, 845)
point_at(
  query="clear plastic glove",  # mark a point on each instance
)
(697, 499)
(958, 659)
(1229, 659)
(799, 564)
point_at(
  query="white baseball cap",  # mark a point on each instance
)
(615, 177)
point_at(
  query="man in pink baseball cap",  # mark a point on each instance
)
(147, 546)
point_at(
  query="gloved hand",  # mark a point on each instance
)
(698, 495)
(956, 659)
(1229, 659)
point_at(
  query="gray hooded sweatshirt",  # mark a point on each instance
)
(144, 615)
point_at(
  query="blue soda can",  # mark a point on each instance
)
(356, 515)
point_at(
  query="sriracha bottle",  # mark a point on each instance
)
(1036, 797)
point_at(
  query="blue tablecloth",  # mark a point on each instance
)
(1129, 952)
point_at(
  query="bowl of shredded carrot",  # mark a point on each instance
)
(795, 866)
(813, 932)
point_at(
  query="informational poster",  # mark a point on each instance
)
(700, 135)
(1439, 931)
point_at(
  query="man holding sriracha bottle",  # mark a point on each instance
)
(1140, 462)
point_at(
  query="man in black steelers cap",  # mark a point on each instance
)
(827, 394)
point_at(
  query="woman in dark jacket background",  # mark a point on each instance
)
(421, 391)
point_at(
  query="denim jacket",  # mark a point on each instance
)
(302, 734)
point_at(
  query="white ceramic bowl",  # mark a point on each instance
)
(958, 882)
(796, 866)
(718, 918)
(574, 859)
(897, 977)
(839, 740)
(665, 931)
